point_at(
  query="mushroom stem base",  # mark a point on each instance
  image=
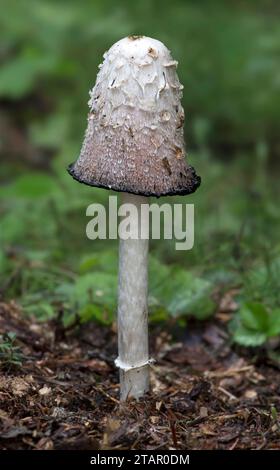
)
(134, 383)
(132, 305)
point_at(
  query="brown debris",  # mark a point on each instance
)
(134, 37)
(166, 165)
(152, 52)
(65, 393)
(179, 153)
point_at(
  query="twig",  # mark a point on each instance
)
(227, 373)
(107, 395)
(230, 395)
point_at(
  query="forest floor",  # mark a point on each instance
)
(64, 395)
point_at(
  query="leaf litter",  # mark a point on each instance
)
(207, 394)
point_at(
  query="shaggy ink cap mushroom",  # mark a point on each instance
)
(134, 140)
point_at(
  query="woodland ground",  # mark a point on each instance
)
(215, 310)
(206, 394)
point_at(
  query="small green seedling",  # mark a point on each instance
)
(10, 354)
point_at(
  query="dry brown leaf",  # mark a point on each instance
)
(45, 390)
(251, 394)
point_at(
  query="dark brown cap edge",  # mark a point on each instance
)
(179, 192)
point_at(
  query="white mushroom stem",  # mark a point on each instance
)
(133, 359)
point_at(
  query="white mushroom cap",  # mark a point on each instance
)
(134, 141)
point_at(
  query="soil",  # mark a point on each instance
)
(206, 394)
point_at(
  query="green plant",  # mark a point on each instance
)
(255, 324)
(174, 292)
(10, 354)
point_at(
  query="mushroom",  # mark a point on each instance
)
(134, 143)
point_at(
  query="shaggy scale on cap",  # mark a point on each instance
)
(134, 140)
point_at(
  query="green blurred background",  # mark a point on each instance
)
(228, 53)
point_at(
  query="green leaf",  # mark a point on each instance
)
(97, 313)
(172, 290)
(254, 316)
(106, 261)
(274, 323)
(93, 296)
(35, 185)
(3, 258)
(19, 75)
(51, 132)
(157, 315)
(96, 288)
(42, 310)
(12, 227)
(263, 283)
(247, 337)
(180, 292)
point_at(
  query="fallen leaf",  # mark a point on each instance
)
(250, 394)
(203, 412)
(158, 405)
(45, 443)
(45, 390)
(227, 437)
(19, 387)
